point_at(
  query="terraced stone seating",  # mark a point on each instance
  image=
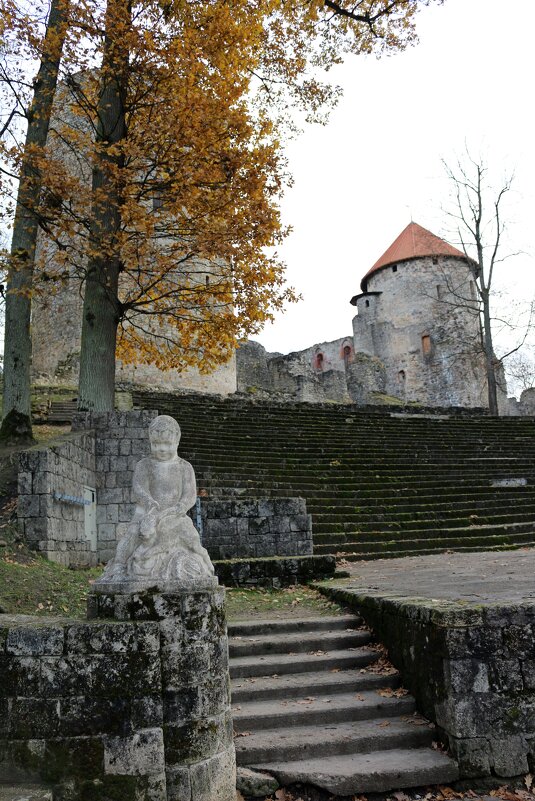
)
(377, 484)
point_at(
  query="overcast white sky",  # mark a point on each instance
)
(378, 161)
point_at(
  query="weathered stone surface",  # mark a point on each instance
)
(266, 527)
(87, 711)
(141, 754)
(255, 782)
(25, 792)
(509, 756)
(469, 666)
(275, 571)
(215, 777)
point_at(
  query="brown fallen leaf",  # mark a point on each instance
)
(388, 692)
(528, 781)
(384, 724)
(359, 697)
(242, 734)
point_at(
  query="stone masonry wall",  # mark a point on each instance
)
(102, 454)
(472, 672)
(240, 528)
(416, 323)
(295, 376)
(80, 705)
(135, 706)
(121, 440)
(51, 512)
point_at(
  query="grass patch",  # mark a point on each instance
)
(300, 601)
(32, 585)
(35, 586)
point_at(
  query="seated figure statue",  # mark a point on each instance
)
(161, 545)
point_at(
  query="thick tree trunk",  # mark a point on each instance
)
(101, 311)
(16, 423)
(489, 357)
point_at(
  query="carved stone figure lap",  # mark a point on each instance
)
(161, 547)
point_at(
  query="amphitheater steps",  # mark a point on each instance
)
(377, 484)
(312, 704)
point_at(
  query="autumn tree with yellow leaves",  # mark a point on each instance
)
(161, 185)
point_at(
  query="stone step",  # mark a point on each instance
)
(375, 486)
(318, 709)
(327, 681)
(24, 792)
(352, 737)
(377, 772)
(374, 506)
(424, 551)
(500, 517)
(248, 628)
(442, 511)
(378, 496)
(279, 664)
(293, 643)
(377, 541)
(377, 550)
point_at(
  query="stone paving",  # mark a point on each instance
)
(506, 577)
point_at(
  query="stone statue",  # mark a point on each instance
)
(161, 547)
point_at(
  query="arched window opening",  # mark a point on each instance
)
(401, 376)
(346, 355)
(394, 268)
(318, 361)
(435, 260)
(367, 303)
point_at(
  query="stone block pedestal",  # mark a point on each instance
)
(194, 700)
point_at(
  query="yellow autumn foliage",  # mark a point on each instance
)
(196, 180)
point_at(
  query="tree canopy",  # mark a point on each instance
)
(162, 174)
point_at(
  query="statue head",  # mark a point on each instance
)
(164, 436)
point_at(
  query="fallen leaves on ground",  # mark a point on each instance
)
(389, 692)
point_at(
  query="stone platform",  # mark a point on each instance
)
(504, 577)
(460, 628)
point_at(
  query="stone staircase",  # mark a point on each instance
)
(378, 484)
(314, 703)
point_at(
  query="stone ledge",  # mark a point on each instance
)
(470, 667)
(274, 571)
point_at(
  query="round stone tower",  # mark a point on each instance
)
(417, 313)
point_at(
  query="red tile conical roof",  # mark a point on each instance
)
(413, 242)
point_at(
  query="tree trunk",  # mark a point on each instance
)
(489, 356)
(16, 423)
(101, 310)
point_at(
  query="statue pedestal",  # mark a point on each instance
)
(194, 701)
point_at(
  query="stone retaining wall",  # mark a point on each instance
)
(133, 706)
(51, 497)
(121, 440)
(100, 454)
(250, 527)
(471, 670)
